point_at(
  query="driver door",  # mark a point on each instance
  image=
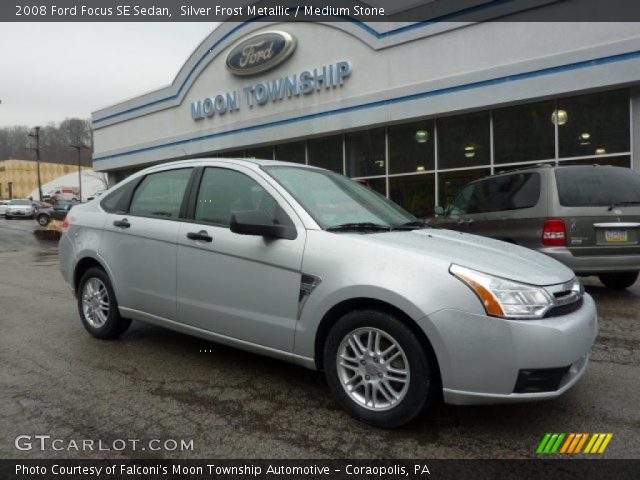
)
(241, 286)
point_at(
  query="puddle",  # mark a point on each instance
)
(45, 257)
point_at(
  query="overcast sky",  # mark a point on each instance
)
(52, 71)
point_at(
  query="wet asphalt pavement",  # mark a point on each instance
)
(155, 384)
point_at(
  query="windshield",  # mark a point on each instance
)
(333, 200)
(590, 186)
(20, 202)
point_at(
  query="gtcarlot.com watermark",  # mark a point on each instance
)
(47, 443)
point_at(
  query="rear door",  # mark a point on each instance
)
(601, 209)
(241, 286)
(139, 243)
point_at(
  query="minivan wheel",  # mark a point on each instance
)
(620, 280)
(98, 307)
(377, 368)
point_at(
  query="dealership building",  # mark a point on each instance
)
(416, 110)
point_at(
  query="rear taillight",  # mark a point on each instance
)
(66, 224)
(554, 233)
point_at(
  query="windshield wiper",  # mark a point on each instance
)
(412, 225)
(623, 204)
(359, 226)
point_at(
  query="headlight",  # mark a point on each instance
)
(506, 298)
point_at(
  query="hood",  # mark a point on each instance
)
(479, 253)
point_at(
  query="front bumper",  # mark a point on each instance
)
(593, 264)
(481, 357)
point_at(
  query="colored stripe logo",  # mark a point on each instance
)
(574, 443)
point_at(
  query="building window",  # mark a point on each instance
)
(415, 193)
(366, 153)
(233, 154)
(524, 133)
(617, 161)
(326, 152)
(411, 147)
(450, 183)
(291, 152)
(263, 153)
(377, 184)
(593, 124)
(463, 141)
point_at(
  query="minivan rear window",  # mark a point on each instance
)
(591, 186)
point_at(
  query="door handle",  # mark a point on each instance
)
(202, 235)
(124, 223)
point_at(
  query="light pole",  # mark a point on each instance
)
(36, 134)
(78, 148)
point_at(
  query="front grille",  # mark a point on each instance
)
(560, 310)
(540, 380)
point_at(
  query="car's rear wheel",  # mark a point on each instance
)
(43, 220)
(378, 369)
(620, 280)
(98, 307)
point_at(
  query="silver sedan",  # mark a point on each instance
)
(308, 266)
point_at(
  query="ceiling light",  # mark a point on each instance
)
(585, 135)
(559, 117)
(422, 136)
(600, 151)
(420, 168)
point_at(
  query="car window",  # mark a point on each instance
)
(116, 200)
(160, 194)
(509, 192)
(223, 192)
(597, 186)
(460, 203)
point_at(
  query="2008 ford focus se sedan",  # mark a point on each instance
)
(308, 266)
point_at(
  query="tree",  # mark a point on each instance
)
(54, 142)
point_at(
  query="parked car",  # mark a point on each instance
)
(255, 254)
(53, 212)
(585, 216)
(3, 206)
(19, 207)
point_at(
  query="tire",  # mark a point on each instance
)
(107, 322)
(403, 400)
(620, 280)
(43, 220)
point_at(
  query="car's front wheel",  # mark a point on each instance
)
(98, 307)
(43, 220)
(378, 369)
(620, 280)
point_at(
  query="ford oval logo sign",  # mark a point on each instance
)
(260, 52)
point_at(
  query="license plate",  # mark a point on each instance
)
(616, 236)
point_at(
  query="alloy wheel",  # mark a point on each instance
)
(373, 369)
(95, 302)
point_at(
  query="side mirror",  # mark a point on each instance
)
(257, 222)
(438, 211)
